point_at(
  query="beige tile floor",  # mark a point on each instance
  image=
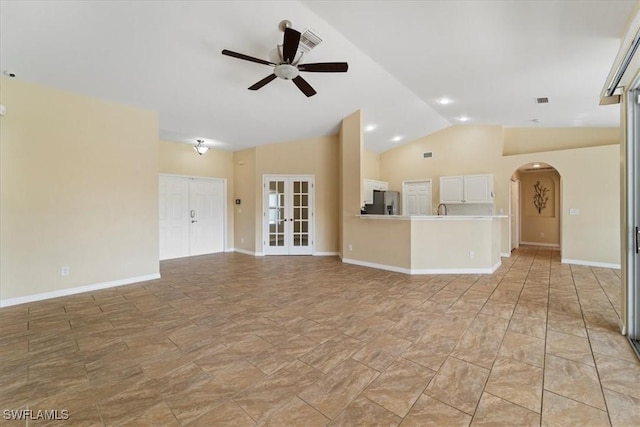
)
(234, 340)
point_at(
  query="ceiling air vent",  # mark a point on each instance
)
(427, 155)
(308, 40)
(542, 100)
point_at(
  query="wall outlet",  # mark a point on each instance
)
(574, 211)
(350, 247)
(242, 240)
(472, 254)
(65, 271)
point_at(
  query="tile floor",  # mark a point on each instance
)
(234, 340)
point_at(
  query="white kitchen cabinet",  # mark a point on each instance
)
(466, 189)
(370, 185)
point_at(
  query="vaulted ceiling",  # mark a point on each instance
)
(491, 59)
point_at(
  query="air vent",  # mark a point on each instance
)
(542, 100)
(427, 155)
(308, 40)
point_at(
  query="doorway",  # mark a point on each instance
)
(535, 207)
(288, 203)
(192, 216)
(416, 197)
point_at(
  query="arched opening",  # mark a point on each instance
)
(535, 206)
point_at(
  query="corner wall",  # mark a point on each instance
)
(79, 187)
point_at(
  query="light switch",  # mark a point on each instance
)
(574, 211)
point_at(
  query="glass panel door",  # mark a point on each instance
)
(276, 216)
(288, 215)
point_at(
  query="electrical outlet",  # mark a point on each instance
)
(65, 271)
(242, 240)
(350, 247)
(472, 254)
(574, 211)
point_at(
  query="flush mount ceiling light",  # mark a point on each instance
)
(463, 119)
(396, 138)
(369, 128)
(200, 147)
(444, 101)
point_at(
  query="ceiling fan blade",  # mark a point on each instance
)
(290, 44)
(304, 86)
(246, 57)
(268, 79)
(325, 67)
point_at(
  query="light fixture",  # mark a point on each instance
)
(444, 101)
(396, 138)
(535, 165)
(200, 147)
(463, 119)
(369, 128)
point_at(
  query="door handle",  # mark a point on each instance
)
(194, 220)
(637, 240)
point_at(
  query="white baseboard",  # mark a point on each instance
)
(590, 263)
(244, 251)
(423, 270)
(546, 245)
(325, 253)
(77, 290)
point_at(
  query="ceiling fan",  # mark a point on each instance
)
(288, 68)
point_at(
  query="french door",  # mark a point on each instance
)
(191, 216)
(288, 214)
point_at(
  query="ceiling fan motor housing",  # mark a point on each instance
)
(286, 71)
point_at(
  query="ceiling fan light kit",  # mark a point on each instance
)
(200, 147)
(288, 68)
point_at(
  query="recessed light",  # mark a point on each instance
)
(463, 119)
(369, 128)
(396, 138)
(536, 165)
(444, 101)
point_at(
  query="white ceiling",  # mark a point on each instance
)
(491, 58)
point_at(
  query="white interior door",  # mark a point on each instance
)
(174, 221)
(192, 218)
(417, 197)
(288, 215)
(206, 216)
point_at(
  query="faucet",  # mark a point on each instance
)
(438, 210)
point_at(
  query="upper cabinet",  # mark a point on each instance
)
(370, 185)
(466, 189)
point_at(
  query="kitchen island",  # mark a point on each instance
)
(449, 244)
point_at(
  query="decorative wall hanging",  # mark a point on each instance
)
(540, 196)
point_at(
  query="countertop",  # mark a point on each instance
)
(433, 217)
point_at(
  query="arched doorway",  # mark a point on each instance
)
(535, 210)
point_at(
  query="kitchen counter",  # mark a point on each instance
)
(447, 244)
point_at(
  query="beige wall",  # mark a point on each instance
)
(370, 165)
(181, 159)
(533, 140)
(316, 156)
(79, 185)
(540, 227)
(350, 153)
(244, 178)
(589, 176)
